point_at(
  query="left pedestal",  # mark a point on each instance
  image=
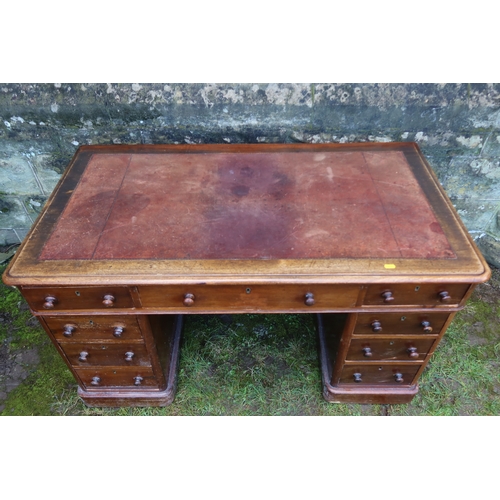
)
(119, 360)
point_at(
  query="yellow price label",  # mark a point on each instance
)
(390, 266)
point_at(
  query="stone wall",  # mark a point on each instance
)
(456, 125)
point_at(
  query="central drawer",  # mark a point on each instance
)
(240, 298)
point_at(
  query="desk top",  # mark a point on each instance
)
(249, 213)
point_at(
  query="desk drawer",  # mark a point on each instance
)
(84, 297)
(389, 349)
(400, 323)
(122, 354)
(397, 375)
(130, 377)
(415, 295)
(78, 328)
(239, 298)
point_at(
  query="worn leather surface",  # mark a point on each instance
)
(278, 205)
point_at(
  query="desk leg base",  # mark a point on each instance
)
(368, 395)
(330, 331)
(118, 398)
(115, 397)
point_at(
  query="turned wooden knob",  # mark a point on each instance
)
(309, 299)
(426, 327)
(49, 302)
(118, 331)
(138, 380)
(444, 296)
(188, 299)
(128, 356)
(108, 300)
(412, 352)
(83, 356)
(95, 380)
(357, 377)
(376, 326)
(387, 296)
(367, 352)
(398, 377)
(68, 330)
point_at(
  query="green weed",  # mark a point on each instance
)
(17, 326)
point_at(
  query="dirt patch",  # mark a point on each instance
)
(490, 291)
(15, 363)
(475, 334)
(15, 366)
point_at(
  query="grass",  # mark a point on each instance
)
(18, 327)
(268, 365)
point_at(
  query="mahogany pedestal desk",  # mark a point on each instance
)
(134, 237)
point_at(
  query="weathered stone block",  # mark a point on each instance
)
(22, 232)
(490, 248)
(471, 177)
(13, 214)
(492, 147)
(16, 175)
(34, 204)
(476, 214)
(46, 173)
(8, 237)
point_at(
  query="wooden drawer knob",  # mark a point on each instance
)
(138, 380)
(49, 302)
(444, 296)
(83, 356)
(95, 380)
(109, 300)
(188, 299)
(118, 331)
(367, 352)
(426, 327)
(68, 330)
(376, 326)
(357, 377)
(412, 352)
(128, 356)
(398, 377)
(309, 299)
(388, 297)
